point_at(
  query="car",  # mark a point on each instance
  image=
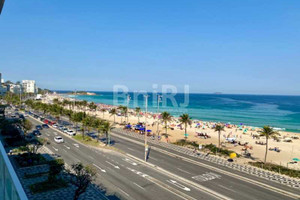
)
(45, 126)
(71, 133)
(58, 139)
(54, 126)
(60, 127)
(38, 127)
(36, 132)
(65, 130)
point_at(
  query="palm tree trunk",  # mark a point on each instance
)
(219, 139)
(185, 137)
(266, 150)
(103, 115)
(114, 119)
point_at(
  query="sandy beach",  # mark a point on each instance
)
(243, 134)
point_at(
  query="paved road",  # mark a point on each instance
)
(118, 173)
(192, 171)
(221, 183)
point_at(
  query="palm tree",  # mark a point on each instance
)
(121, 108)
(113, 112)
(103, 110)
(166, 117)
(268, 132)
(137, 111)
(219, 128)
(106, 128)
(186, 120)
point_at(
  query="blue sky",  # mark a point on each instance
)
(229, 46)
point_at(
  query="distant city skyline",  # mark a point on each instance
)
(233, 47)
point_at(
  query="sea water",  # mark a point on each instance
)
(254, 110)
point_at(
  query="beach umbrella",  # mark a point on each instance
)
(232, 155)
(296, 159)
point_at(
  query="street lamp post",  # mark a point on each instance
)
(128, 99)
(158, 100)
(146, 146)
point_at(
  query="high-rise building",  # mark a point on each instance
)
(0, 78)
(29, 86)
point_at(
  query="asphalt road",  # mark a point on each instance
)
(188, 179)
(225, 184)
(121, 174)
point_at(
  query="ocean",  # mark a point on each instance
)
(254, 110)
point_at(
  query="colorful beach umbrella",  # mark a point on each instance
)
(296, 159)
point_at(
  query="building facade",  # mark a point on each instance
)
(29, 86)
(15, 88)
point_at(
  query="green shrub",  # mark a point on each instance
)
(48, 185)
(277, 168)
(212, 148)
(183, 142)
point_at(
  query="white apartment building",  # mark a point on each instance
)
(29, 86)
(3, 89)
(16, 89)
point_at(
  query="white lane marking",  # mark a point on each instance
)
(183, 171)
(226, 188)
(55, 133)
(67, 147)
(47, 134)
(76, 145)
(102, 170)
(138, 186)
(115, 166)
(130, 161)
(124, 192)
(207, 177)
(91, 157)
(54, 148)
(179, 185)
(130, 149)
(65, 150)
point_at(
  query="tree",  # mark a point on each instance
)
(166, 117)
(85, 124)
(83, 176)
(56, 166)
(137, 111)
(26, 125)
(186, 120)
(219, 128)
(114, 113)
(121, 108)
(106, 128)
(103, 110)
(268, 132)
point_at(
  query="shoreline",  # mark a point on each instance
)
(288, 150)
(175, 116)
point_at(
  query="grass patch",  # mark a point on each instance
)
(86, 140)
(47, 186)
(26, 159)
(186, 143)
(212, 148)
(277, 168)
(35, 175)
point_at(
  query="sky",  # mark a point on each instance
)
(228, 46)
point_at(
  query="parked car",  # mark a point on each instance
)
(65, 130)
(71, 133)
(38, 127)
(58, 139)
(45, 126)
(36, 132)
(54, 126)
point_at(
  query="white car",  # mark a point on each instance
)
(58, 139)
(71, 133)
(54, 126)
(65, 130)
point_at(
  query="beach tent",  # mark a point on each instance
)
(231, 139)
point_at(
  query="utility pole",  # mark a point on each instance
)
(128, 99)
(146, 145)
(158, 100)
